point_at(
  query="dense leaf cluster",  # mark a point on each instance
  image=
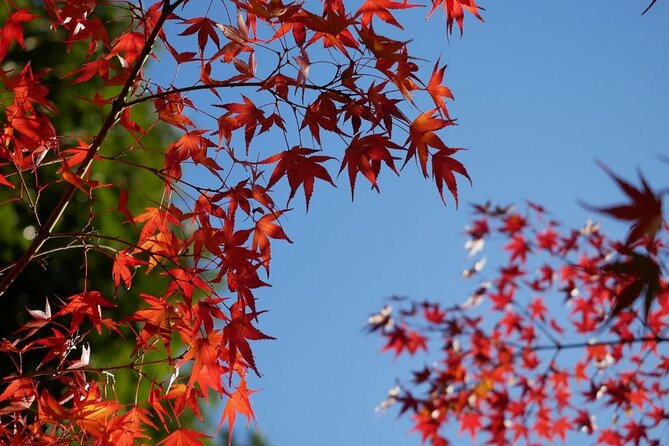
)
(259, 96)
(511, 364)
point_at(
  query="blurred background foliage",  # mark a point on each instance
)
(253, 438)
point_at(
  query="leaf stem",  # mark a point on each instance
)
(557, 346)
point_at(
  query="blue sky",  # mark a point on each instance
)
(543, 89)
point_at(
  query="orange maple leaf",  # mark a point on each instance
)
(206, 370)
(438, 91)
(238, 402)
(121, 268)
(159, 319)
(184, 437)
(455, 12)
(193, 145)
(380, 9)
(266, 229)
(92, 413)
(422, 136)
(88, 304)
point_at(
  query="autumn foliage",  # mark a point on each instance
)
(564, 340)
(266, 101)
(263, 96)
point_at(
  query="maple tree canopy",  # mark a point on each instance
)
(253, 98)
(264, 101)
(511, 366)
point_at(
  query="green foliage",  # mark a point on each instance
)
(52, 277)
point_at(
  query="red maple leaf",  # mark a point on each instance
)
(12, 31)
(443, 166)
(205, 29)
(87, 304)
(470, 422)
(247, 115)
(518, 247)
(537, 308)
(633, 276)
(332, 30)
(610, 437)
(193, 145)
(237, 334)
(121, 269)
(128, 46)
(301, 168)
(644, 208)
(365, 155)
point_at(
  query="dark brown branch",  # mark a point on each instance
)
(224, 84)
(134, 365)
(649, 6)
(558, 346)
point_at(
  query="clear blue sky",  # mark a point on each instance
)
(543, 89)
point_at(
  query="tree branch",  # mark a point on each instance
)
(224, 84)
(558, 346)
(112, 118)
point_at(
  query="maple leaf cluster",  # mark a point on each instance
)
(565, 337)
(265, 95)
